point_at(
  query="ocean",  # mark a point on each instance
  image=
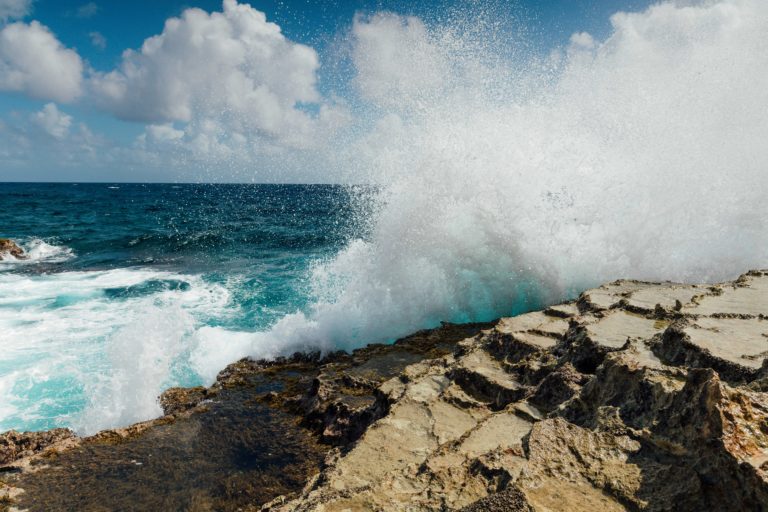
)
(121, 278)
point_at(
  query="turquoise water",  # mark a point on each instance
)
(106, 312)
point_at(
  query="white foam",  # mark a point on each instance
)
(139, 363)
(74, 355)
(37, 251)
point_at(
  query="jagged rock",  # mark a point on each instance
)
(17, 445)
(569, 466)
(736, 348)
(558, 387)
(510, 499)
(178, 400)
(10, 248)
(637, 396)
(612, 402)
(251, 437)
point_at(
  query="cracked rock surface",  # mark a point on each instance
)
(637, 396)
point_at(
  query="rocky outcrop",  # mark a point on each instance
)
(9, 249)
(15, 446)
(261, 431)
(637, 396)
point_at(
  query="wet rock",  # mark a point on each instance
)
(18, 445)
(9, 248)
(259, 432)
(178, 400)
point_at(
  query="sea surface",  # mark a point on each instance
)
(107, 311)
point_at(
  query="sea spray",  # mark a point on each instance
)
(37, 251)
(509, 180)
(140, 359)
(92, 350)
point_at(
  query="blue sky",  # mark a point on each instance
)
(99, 31)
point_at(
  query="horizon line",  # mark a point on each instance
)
(180, 183)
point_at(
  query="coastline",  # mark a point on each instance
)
(637, 396)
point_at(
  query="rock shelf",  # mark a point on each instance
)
(637, 396)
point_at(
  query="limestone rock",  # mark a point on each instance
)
(638, 396)
(17, 445)
(9, 248)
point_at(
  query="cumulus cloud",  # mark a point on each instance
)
(14, 9)
(582, 40)
(34, 62)
(53, 121)
(396, 59)
(163, 133)
(222, 75)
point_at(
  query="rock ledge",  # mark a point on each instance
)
(637, 396)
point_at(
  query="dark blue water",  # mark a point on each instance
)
(265, 235)
(121, 278)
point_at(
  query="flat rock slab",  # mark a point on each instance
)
(618, 327)
(740, 341)
(748, 298)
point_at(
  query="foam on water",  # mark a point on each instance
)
(95, 349)
(509, 180)
(37, 251)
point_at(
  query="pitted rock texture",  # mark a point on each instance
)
(18, 445)
(638, 396)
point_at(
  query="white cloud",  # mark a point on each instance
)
(51, 139)
(14, 9)
(164, 133)
(582, 40)
(53, 121)
(34, 62)
(87, 10)
(396, 59)
(222, 76)
(98, 40)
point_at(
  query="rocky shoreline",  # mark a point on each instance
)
(637, 396)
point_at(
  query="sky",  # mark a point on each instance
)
(204, 90)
